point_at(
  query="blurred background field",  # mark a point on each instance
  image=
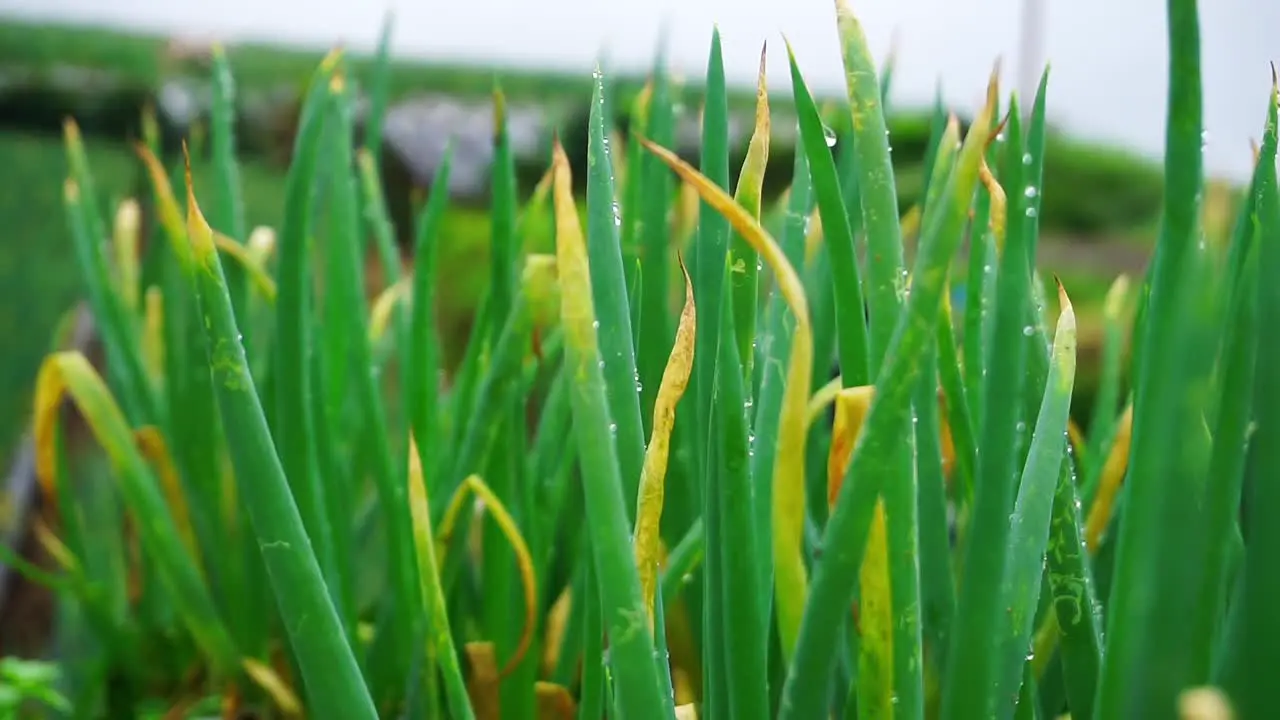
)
(1101, 197)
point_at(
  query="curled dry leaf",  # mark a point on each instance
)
(790, 576)
(999, 205)
(675, 378)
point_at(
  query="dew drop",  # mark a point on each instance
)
(613, 428)
(1030, 192)
(1026, 158)
(1032, 212)
(1028, 331)
(829, 135)
(595, 324)
(1021, 427)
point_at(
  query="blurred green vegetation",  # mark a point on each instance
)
(1090, 192)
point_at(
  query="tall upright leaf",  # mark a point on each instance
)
(1146, 665)
(1247, 675)
(630, 647)
(332, 679)
(835, 574)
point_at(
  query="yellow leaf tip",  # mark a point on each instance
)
(332, 58)
(1116, 295)
(1064, 301)
(791, 52)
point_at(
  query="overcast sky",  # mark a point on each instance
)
(1108, 56)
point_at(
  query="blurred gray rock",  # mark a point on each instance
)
(416, 133)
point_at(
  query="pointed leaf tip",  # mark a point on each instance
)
(1116, 296)
(1003, 121)
(199, 234)
(333, 58)
(1064, 302)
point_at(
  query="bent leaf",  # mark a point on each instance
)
(69, 374)
(998, 221)
(166, 204)
(653, 475)
(241, 254)
(789, 474)
(823, 399)
(524, 560)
